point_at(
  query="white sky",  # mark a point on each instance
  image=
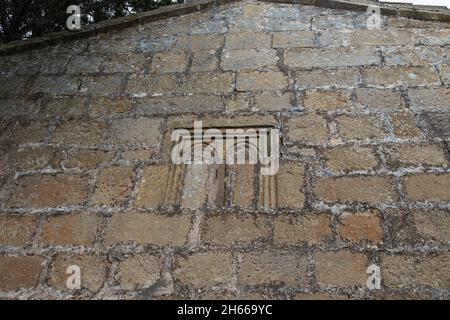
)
(425, 2)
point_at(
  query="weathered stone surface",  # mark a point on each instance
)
(83, 64)
(140, 271)
(79, 132)
(244, 24)
(87, 177)
(17, 229)
(208, 26)
(405, 125)
(142, 86)
(380, 99)
(152, 186)
(3, 126)
(37, 158)
(126, 64)
(281, 11)
(438, 124)
(401, 296)
(204, 269)
(50, 191)
(244, 190)
(169, 62)
(282, 24)
(113, 45)
(413, 55)
(403, 22)
(361, 226)
(430, 99)
(11, 108)
(181, 104)
(161, 35)
(194, 195)
(295, 39)
(290, 184)
(309, 128)
(273, 101)
(65, 107)
(227, 295)
(199, 42)
(102, 85)
(138, 155)
(94, 270)
(87, 159)
(56, 85)
(333, 38)
(251, 10)
(350, 158)
(401, 76)
(204, 61)
(113, 186)
(361, 128)
(144, 228)
(261, 80)
(273, 267)
(444, 72)
(33, 62)
(416, 155)
(228, 229)
(242, 59)
(319, 296)
(26, 131)
(428, 187)
(367, 37)
(399, 225)
(208, 83)
(319, 58)
(307, 229)
(327, 100)
(70, 229)
(134, 131)
(333, 22)
(20, 272)
(432, 224)
(247, 40)
(356, 189)
(434, 37)
(156, 45)
(341, 268)
(238, 102)
(415, 270)
(317, 78)
(216, 186)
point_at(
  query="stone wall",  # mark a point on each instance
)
(365, 118)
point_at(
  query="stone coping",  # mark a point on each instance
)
(440, 14)
(109, 25)
(431, 13)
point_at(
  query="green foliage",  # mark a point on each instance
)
(30, 18)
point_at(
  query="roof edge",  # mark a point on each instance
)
(161, 13)
(440, 14)
(391, 9)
